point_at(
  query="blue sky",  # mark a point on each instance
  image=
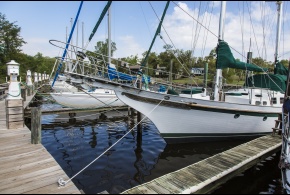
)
(134, 24)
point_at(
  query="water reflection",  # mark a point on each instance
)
(134, 160)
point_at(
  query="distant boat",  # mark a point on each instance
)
(90, 99)
(61, 85)
(69, 96)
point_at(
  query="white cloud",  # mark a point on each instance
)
(42, 45)
(185, 34)
(127, 46)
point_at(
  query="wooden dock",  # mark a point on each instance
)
(206, 175)
(27, 168)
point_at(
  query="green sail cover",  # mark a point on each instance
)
(275, 82)
(192, 91)
(225, 59)
(172, 92)
(280, 69)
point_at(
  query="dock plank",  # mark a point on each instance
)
(206, 175)
(25, 167)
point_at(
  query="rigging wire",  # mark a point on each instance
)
(171, 43)
(205, 40)
(200, 28)
(195, 34)
(147, 24)
(242, 28)
(253, 28)
(229, 45)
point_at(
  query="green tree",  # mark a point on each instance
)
(11, 43)
(10, 37)
(102, 47)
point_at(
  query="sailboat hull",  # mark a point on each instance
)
(198, 120)
(82, 100)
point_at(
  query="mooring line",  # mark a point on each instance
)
(61, 181)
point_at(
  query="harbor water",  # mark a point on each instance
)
(76, 142)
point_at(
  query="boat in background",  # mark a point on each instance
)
(61, 85)
(96, 98)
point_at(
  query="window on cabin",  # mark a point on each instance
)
(281, 100)
(258, 103)
(264, 103)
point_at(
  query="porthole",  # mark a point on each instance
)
(237, 116)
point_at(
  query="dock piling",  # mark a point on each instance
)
(23, 93)
(35, 125)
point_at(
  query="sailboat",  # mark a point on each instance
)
(85, 96)
(182, 119)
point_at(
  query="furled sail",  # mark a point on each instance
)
(275, 82)
(280, 69)
(225, 59)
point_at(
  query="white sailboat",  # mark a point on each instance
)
(183, 119)
(86, 96)
(97, 98)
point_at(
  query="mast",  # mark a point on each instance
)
(67, 44)
(218, 79)
(77, 38)
(278, 34)
(82, 35)
(71, 47)
(66, 67)
(109, 35)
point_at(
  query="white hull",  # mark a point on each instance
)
(204, 120)
(181, 119)
(81, 100)
(62, 86)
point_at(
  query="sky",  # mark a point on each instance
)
(249, 25)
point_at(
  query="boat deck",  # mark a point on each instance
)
(206, 175)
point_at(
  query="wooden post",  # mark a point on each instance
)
(139, 127)
(205, 74)
(35, 86)
(14, 113)
(129, 111)
(30, 90)
(35, 125)
(23, 93)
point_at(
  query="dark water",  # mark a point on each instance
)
(75, 143)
